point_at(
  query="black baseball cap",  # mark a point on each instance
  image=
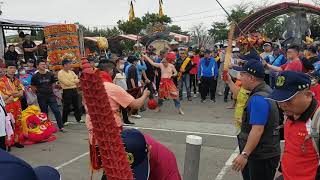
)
(253, 67)
(132, 59)
(313, 49)
(137, 151)
(11, 63)
(288, 84)
(13, 168)
(65, 61)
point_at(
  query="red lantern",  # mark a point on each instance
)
(152, 104)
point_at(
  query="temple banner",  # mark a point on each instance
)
(63, 43)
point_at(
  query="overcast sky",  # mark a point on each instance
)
(101, 13)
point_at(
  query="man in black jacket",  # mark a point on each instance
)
(11, 55)
(41, 84)
(183, 66)
(259, 139)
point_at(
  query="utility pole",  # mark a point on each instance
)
(1, 3)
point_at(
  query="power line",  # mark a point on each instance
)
(195, 13)
(201, 12)
(198, 18)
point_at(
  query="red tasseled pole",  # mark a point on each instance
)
(113, 155)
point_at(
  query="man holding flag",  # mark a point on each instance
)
(183, 66)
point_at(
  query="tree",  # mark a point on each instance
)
(200, 36)
(138, 24)
(131, 27)
(219, 31)
(315, 26)
(154, 18)
(239, 12)
(274, 28)
(108, 32)
(177, 29)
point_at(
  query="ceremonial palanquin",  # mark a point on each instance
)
(63, 43)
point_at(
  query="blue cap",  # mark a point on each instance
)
(137, 150)
(316, 72)
(14, 168)
(207, 51)
(252, 55)
(65, 61)
(288, 84)
(253, 67)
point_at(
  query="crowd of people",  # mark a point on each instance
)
(271, 91)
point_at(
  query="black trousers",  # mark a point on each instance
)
(24, 103)
(193, 83)
(70, 97)
(264, 169)
(124, 112)
(3, 143)
(208, 84)
(267, 79)
(226, 92)
(158, 79)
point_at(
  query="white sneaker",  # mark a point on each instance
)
(66, 123)
(194, 95)
(82, 121)
(180, 111)
(137, 116)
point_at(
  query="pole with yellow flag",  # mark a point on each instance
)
(131, 12)
(161, 8)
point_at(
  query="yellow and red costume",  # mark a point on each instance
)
(7, 88)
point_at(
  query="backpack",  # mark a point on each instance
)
(314, 134)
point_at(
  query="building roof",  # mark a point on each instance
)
(20, 24)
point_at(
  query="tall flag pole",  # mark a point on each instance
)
(131, 12)
(161, 8)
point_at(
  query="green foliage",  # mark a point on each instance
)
(315, 26)
(153, 18)
(138, 24)
(274, 28)
(219, 31)
(108, 32)
(239, 13)
(131, 27)
(178, 29)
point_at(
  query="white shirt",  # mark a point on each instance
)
(2, 118)
(121, 80)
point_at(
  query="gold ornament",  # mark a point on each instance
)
(102, 43)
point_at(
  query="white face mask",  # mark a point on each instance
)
(121, 66)
(96, 64)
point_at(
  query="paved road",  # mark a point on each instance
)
(211, 121)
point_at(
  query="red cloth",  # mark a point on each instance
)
(15, 109)
(105, 76)
(295, 65)
(163, 163)
(167, 89)
(195, 60)
(296, 163)
(316, 91)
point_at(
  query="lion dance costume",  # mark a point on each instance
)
(36, 126)
(112, 153)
